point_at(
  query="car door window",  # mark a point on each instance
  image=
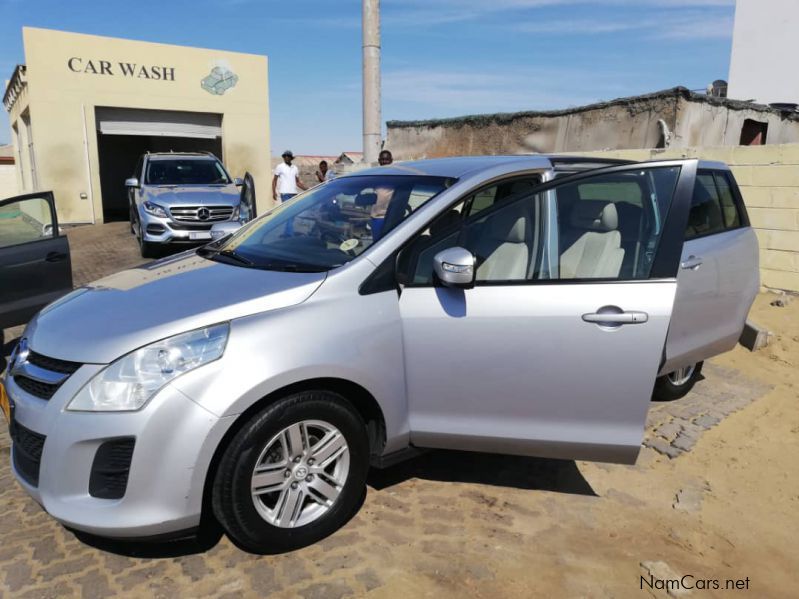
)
(609, 225)
(498, 224)
(24, 221)
(729, 207)
(605, 227)
(706, 216)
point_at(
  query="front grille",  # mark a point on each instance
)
(53, 364)
(37, 388)
(189, 227)
(41, 388)
(110, 469)
(26, 452)
(201, 214)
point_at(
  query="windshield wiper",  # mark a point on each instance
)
(214, 253)
(207, 252)
(293, 267)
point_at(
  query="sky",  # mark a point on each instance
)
(440, 58)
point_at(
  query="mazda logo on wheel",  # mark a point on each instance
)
(203, 214)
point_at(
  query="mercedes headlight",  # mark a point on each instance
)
(154, 209)
(133, 379)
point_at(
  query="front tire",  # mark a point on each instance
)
(294, 474)
(677, 384)
(147, 249)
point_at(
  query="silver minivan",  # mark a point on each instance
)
(521, 305)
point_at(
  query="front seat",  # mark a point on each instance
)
(503, 249)
(596, 253)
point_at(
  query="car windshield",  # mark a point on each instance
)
(329, 225)
(186, 171)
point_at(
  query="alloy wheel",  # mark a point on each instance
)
(682, 375)
(300, 473)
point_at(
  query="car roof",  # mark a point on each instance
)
(458, 166)
(180, 155)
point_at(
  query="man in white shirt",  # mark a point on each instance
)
(286, 179)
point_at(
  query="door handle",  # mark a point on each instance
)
(55, 257)
(616, 318)
(691, 263)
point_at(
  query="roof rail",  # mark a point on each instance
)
(587, 160)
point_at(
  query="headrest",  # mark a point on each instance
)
(366, 198)
(594, 215)
(509, 227)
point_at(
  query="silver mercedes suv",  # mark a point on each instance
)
(178, 198)
(521, 305)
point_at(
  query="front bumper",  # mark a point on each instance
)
(175, 440)
(155, 229)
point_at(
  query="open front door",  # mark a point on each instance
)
(248, 208)
(555, 350)
(35, 266)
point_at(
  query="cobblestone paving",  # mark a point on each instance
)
(674, 427)
(447, 519)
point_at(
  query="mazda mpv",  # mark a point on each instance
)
(519, 305)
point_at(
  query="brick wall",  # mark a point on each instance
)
(769, 180)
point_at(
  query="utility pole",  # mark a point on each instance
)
(372, 126)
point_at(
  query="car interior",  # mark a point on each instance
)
(602, 227)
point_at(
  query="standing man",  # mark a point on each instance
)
(286, 179)
(385, 158)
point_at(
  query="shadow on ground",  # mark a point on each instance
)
(560, 476)
(208, 536)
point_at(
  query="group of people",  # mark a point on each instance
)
(286, 182)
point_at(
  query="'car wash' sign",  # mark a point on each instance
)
(121, 69)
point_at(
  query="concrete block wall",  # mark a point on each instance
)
(769, 180)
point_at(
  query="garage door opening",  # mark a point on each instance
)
(123, 135)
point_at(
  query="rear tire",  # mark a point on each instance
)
(294, 474)
(677, 384)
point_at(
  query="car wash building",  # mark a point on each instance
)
(83, 109)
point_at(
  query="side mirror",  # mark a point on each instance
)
(238, 181)
(455, 267)
(132, 182)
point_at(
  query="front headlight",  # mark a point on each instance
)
(154, 209)
(132, 380)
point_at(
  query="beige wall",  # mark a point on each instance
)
(8, 181)
(769, 181)
(62, 102)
